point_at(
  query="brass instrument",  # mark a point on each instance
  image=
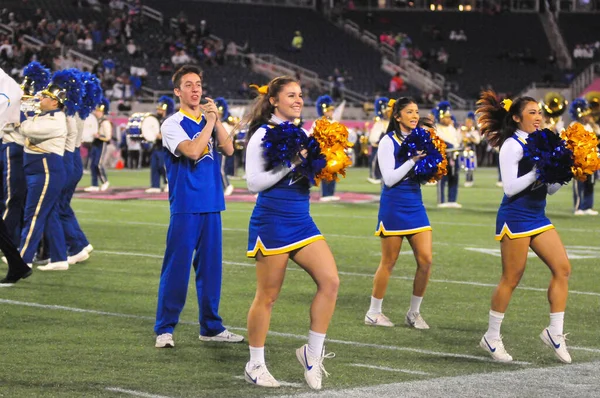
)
(553, 106)
(593, 99)
(364, 144)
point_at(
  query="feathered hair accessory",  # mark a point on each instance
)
(579, 108)
(92, 94)
(167, 104)
(471, 115)
(442, 109)
(67, 88)
(35, 78)
(381, 105)
(324, 103)
(223, 107)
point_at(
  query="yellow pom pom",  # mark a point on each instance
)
(584, 145)
(441, 147)
(333, 140)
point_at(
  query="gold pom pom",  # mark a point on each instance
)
(333, 140)
(584, 145)
(441, 147)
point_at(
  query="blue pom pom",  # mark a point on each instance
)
(551, 156)
(282, 145)
(420, 140)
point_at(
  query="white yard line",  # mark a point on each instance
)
(134, 393)
(272, 333)
(386, 369)
(408, 278)
(282, 383)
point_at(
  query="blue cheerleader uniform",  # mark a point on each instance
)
(401, 209)
(280, 222)
(522, 214)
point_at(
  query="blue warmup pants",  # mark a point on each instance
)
(45, 176)
(157, 168)
(97, 154)
(189, 233)
(74, 237)
(583, 193)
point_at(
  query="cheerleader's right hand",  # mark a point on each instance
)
(420, 155)
(301, 155)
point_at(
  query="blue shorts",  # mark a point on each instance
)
(277, 228)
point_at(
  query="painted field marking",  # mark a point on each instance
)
(386, 369)
(282, 383)
(134, 393)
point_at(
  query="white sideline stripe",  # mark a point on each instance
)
(586, 349)
(386, 369)
(134, 393)
(272, 333)
(407, 278)
(282, 383)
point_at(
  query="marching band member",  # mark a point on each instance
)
(471, 139)
(521, 222)
(583, 191)
(78, 246)
(35, 78)
(10, 100)
(165, 108)
(228, 124)
(325, 109)
(281, 229)
(401, 215)
(45, 138)
(446, 131)
(553, 106)
(98, 150)
(196, 202)
(377, 131)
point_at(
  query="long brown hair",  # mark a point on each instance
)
(400, 104)
(261, 109)
(497, 123)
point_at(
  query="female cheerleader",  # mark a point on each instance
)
(521, 222)
(281, 228)
(401, 214)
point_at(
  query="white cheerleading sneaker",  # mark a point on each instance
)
(164, 340)
(558, 343)
(378, 320)
(258, 374)
(415, 320)
(224, 337)
(313, 366)
(495, 347)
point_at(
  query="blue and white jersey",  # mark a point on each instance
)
(194, 186)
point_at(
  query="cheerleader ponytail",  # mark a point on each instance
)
(496, 118)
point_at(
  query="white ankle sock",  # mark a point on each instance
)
(557, 320)
(375, 305)
(495, 320)
(415, 303)
(257, 354)
(315, 343)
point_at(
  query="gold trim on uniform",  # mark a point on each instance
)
(506, 231)
(33, 147)
(381, 231)
(280, 250)
(39, 205)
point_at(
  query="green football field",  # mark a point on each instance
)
(88, 332)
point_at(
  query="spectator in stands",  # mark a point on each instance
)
(297, 41)
(6, 50)
(131, 48)
(180, 58)
(203, 30)
(442, 56)
(231, 53)
(396, 83)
